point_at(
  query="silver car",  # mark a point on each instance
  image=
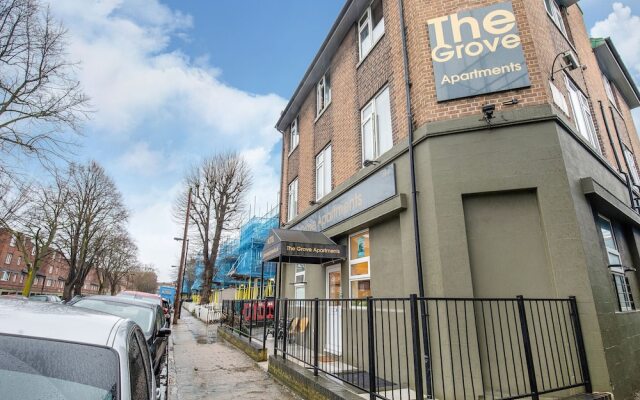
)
(59, 352)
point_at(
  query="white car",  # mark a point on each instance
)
(53, 351)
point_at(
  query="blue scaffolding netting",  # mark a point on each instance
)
(241, 259)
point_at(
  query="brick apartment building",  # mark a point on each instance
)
(49, 279)
(524, 161)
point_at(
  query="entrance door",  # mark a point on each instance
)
(334, 310)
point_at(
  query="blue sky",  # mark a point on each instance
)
(174, 80)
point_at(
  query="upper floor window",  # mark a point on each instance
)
(609, 90)
(582, 114)
(377, 137)
(12, 242)
(633, 167)
(33, 251)
(323, 173)
(292, 204)
(556, 15)
(5, 276)
(295, 137)
(323, 94)
(19, 261)
(8, 259)
(370, 28)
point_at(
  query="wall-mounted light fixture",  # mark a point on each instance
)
(570, 63)
(487, 111)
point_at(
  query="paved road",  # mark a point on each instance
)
(203, 368)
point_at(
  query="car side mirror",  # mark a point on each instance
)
(164, 332)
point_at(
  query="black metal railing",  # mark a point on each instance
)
(252, 319)
(495, 348)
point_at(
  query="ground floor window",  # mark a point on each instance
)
(623, 290)
(359, 265)
(4, 276)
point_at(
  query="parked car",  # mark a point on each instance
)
(149, 297)
(48, 298)
(148, 316)
(52, 351)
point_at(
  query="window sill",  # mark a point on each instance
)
(627, 312)
(322, 112)
(292, 150)
(369, 52)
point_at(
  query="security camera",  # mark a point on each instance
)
(488, 110)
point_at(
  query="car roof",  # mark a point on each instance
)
(56, 321)
(122, 300)
(141, 294)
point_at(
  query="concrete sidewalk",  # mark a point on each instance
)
(200, 367)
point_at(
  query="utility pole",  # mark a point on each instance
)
(178, 300)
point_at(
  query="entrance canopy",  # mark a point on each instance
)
(301, 247)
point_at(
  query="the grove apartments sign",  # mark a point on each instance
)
(476, 52)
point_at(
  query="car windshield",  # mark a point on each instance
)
(33, 369)
(150, 300)
(141, 315)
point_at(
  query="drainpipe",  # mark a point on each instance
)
(414, 203)
(626, 163)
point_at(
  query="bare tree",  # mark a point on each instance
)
(219, 184)
(40, 99)
(145, 279)
(117, 259)
(93, 210)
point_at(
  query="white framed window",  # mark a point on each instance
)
(50, 269)
(609, 90)
(8, 258)
(323, 94)
(5, 276)
(375, 125)
(553, 9)
(299, 280)
(21, 278)
(631, 161)
(33, 251)
(292, 204)
(359, 265)
(323, 173)
(623, 290)
(14, 278)
(19, 260)
(370, 28)
(12, 241)
(620, 281)
(582, 114)
(49, 283)
(294, 137)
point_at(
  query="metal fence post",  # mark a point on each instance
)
(417, 352)
(241, 317)
(372, 349)
(233, 314)
(251, 304)
(284, 330)
(264, 323)
(582, 351)
(316, 309)
(526, 340)
(276, 326)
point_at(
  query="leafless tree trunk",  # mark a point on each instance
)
(219, 184)
(40, 99)
(93, 210)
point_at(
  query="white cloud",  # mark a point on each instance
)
(622, 26)
(142, 159)
(157, 105)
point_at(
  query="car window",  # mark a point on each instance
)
(141, 315)
(138, 368)
(159, 318)
(56, 370)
